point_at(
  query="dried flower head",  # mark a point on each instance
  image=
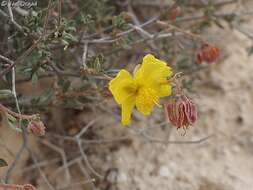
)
(29, 187)
(208, 53)
(36, 127)
(175, 12)
(181, 111)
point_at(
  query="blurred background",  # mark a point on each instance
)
(56, 59)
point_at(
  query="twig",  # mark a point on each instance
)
(93, 141)
(142, 31)
(64, 158)
(59, 12)
(3, 145)
(39, 168)
(21, 150)
(10, 10)
(34, 166)
(137, 27)
(13, 74)
(17, 187)
(46, 19)
(244, 32)
(154, 140)
(17, 158)
(217, 15)
(79, 142)
(187, 33)
(6, 59)
(85, 158)
(197, 5)
(85, 51)
(86, 174)
(18, 115)
(32, 47)
(24, 134)
(11, 186)
(19, 27)
(102, 40)
(77, 184)
(216, 4)
(68, 164)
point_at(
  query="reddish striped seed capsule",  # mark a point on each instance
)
(208, 53)
(175, 12)
(37, 128)
(181, 112)
(29, 187)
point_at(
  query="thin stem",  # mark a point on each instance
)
(18, 115)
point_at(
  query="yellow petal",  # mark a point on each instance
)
(164, 89)
(136, 68)
(146, 99)
(152, 68)
(153, 73)
(126, 110)
(122, 86)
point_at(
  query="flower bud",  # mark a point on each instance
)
(36, 127)
(181, 111)
(208, 53)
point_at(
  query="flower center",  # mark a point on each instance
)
(146, 98)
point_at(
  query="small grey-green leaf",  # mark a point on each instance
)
(65, 42)
(34, 78)
(68, 36)
(12, 122)
(3, 163)
(5, 94)
(46, 97)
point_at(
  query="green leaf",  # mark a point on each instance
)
(119, 21)
(71, 29)
(70, 37)
(15, 123)
(3, 163)
(34, 78)
(183, 63)
(7, 77)
(65, 84)
(74, 104)
(96, 62)
(5, 94)
(66, 43)
(218, 23)
(46, 97)
(86, 19)
(112, 72)
(12, 122)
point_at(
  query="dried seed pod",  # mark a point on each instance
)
(175, 12)
(29, 187)
(36, 127)
(181, 111)
(208, 53)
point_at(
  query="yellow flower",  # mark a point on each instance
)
(142, 90)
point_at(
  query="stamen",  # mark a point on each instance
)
(146, 98)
